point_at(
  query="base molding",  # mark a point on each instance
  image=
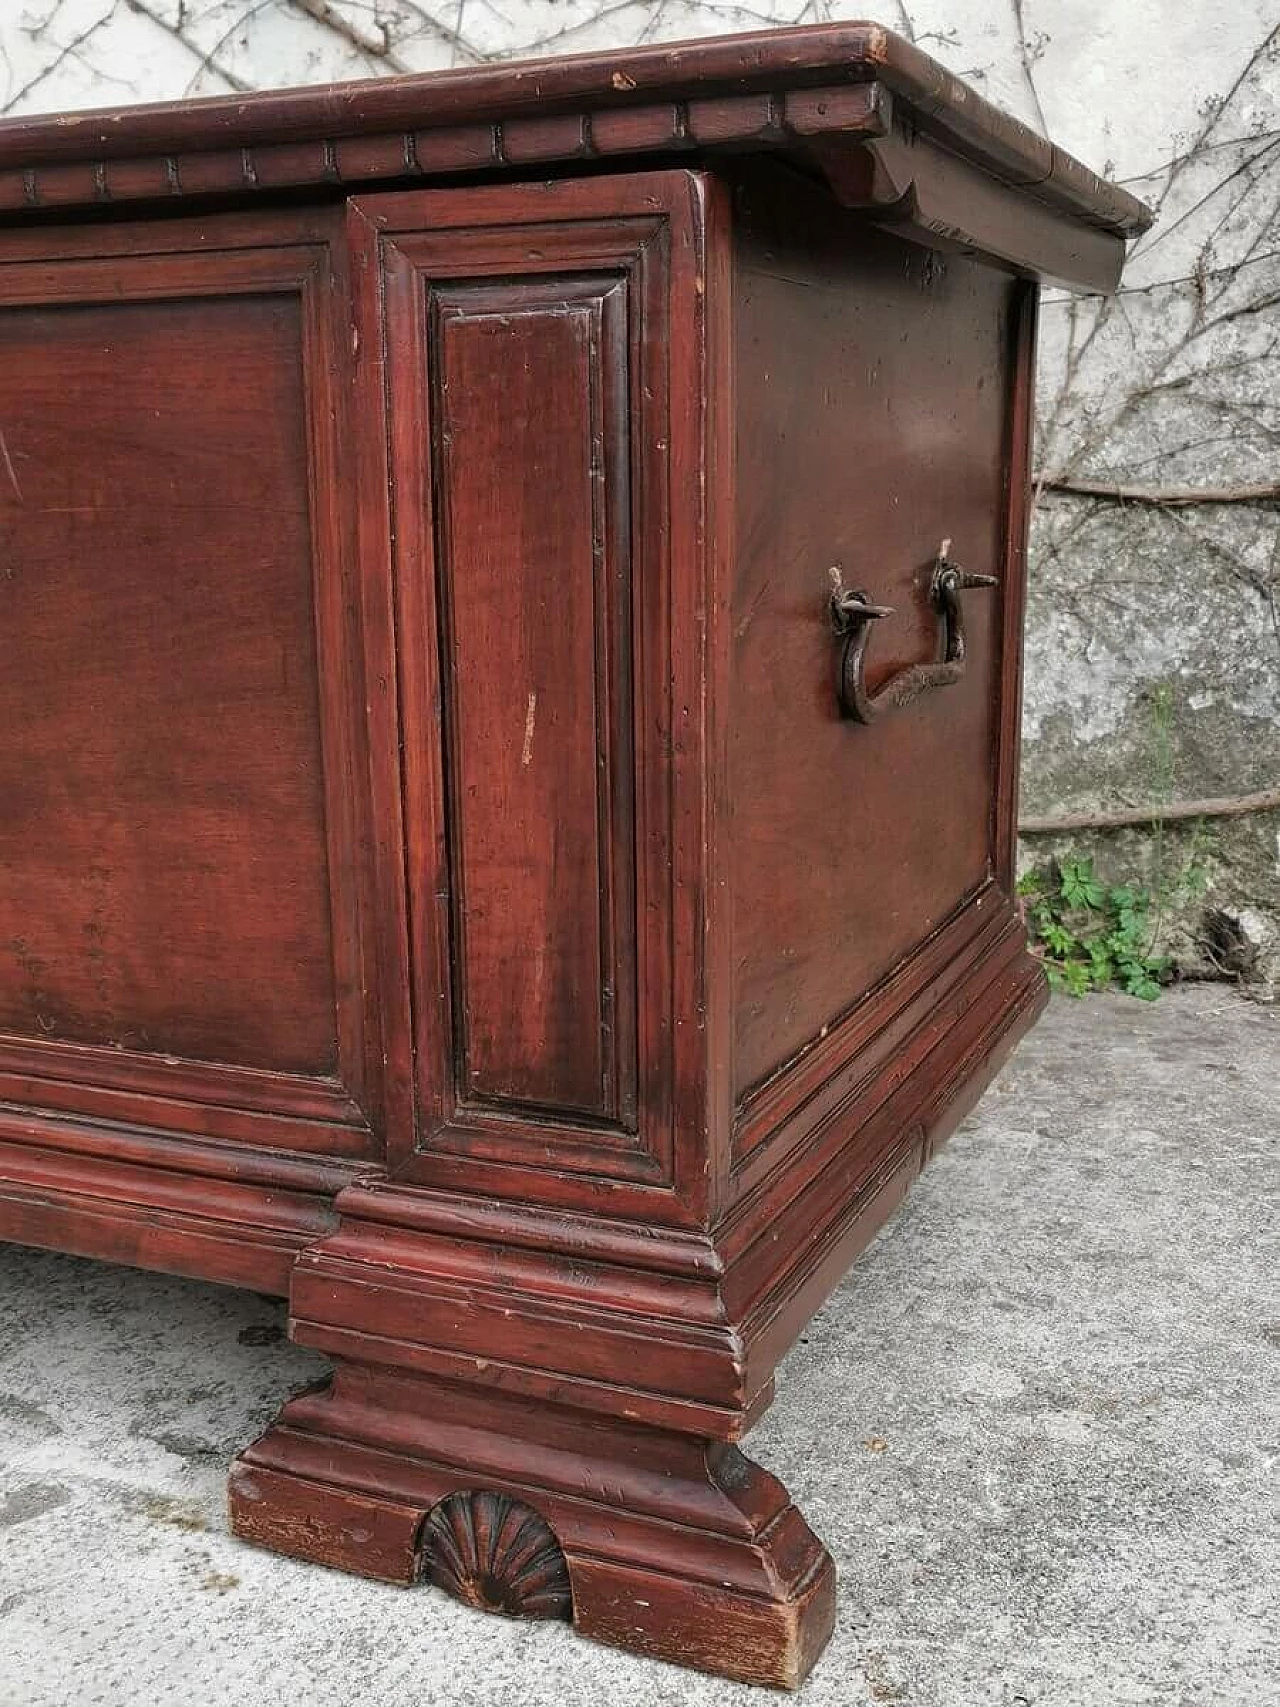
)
(162, 1201)
(549, 1431)
(670, 1545)
(535, 1406)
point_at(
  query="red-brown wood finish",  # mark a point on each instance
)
(831, 323)
(154, 717)
(437, 880)
(540, 798)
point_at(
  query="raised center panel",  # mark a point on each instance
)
(528, 400)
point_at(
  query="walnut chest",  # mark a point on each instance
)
(511, 589)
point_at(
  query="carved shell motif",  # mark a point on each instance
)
(494, 1553)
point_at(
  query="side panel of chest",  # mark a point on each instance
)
(882, 405)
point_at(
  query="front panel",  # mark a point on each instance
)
(179, 892)
(162, 841)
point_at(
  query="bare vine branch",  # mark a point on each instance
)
(1029, 52)
(1178, 812)
(209, 60)
(375, 44)
(71, 50)
(1167, 497)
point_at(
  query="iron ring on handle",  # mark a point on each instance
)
(853, 616)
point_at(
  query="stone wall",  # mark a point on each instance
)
(1154, 646)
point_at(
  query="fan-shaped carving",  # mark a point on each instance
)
(495, 1553)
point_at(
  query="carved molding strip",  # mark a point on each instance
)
(859, 110)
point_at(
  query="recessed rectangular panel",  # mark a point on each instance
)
(531, 444)
(163, 869)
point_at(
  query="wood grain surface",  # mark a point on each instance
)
(437, 880)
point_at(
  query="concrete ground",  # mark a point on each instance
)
(1034, 1427)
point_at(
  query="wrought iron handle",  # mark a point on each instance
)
(852, 616)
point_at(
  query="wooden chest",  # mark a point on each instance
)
(511, 592)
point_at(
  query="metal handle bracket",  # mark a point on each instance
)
(852, 617)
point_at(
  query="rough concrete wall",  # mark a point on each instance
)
(1154, 639)
(1154, 644)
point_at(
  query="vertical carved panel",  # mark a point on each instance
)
(529, 337)
(528, 406)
